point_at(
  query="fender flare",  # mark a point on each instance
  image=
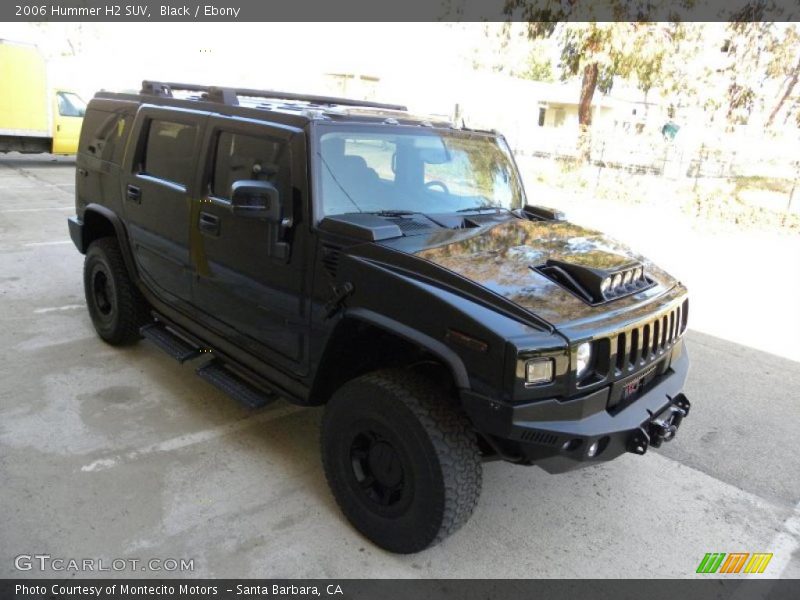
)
(119, 228)
(435, 347)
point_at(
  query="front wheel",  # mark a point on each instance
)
(401, 459)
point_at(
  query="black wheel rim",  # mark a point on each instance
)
(102, 293)
(379, 471)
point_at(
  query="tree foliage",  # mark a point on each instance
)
(598, 52)
(784, 66)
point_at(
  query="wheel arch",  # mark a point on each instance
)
(99, 222)
(400, 344)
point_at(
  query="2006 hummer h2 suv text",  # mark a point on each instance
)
(347, 253)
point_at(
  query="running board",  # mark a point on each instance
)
(176, 347)
(236, 387)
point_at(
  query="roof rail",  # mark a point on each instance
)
(229, 96)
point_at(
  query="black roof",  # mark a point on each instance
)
(292, 108)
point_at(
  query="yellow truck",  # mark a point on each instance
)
(35, 117)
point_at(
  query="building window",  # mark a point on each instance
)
(542, 113)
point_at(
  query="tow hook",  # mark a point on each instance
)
(639, 442)
(662, 427)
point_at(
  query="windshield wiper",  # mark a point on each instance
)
(482, 207)
(394, 213)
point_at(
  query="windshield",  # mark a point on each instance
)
(385, 169)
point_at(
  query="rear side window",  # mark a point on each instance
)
(104, 134)
(241, 157)
(115, 142)
(94, 128)
(168, 153)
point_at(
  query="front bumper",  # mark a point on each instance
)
(560, 435)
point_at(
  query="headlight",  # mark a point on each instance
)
(539, 370)
(583, 359)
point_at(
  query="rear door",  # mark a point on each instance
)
(157, 183)
(243, 286)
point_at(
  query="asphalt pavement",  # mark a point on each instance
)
(110, 453)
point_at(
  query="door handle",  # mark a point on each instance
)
(208, 223)
(134, 194)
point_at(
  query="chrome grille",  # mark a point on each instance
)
(647, 341)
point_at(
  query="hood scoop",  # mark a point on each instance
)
(597, 284)
(361, 226)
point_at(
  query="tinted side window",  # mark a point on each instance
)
(168, 154)
(104, 134)
(115, 143)
(94, 128)
(248, 157)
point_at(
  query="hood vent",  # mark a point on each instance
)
(330, 258)
(412, 226)
(594, 285)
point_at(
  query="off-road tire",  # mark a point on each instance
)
(118, 310)
(437, 451)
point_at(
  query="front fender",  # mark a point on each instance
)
(435, 347)
(437, 318)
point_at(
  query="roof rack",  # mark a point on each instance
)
(229, 96)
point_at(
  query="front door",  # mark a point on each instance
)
(67, 120)
(245, 284)
(160, 164)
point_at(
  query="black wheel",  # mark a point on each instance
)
(401, 459)
(116, 307)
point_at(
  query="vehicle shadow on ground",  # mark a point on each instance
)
(45, 160)
(243, 496)
(291, 440)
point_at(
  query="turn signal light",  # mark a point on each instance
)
(538, 371)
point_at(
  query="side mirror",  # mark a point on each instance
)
(256, 199)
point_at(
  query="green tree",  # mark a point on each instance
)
(598, 52)
(747, 48)
(784, 64)
(538, 67)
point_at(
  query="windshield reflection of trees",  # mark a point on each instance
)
(501, 257)
(486, 171)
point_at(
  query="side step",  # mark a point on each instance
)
(234, 386)
(176, 347)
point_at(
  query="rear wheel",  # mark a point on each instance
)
(116, 306)
(401, 459)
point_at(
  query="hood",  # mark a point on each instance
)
(501, 258)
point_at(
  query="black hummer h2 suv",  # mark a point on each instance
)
(346, 253)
